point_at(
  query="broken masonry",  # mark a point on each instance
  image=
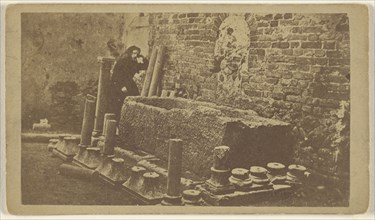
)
(227, 137)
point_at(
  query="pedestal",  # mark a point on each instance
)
(192, 197)
(67, 150)
(113, 172)
(277, 172)
(220, 172)
(240, 179)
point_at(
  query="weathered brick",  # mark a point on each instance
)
(274, 23)
(312, 45)
(266, 17)
(288, 15)
(319, 53)
(303, 75)
(191, 15)
(293, 98)
(297, 30)
(338, 62)
(275, 74)
(291, 37)
(269, 30)
(329, 45)
(282, 105)
(263, 24)
(320, 61)
(288, 23)
(304, 60)
(260, 45)
(297, 52)
(285, 82)
(287, 74)
(296, 106)
(292, 90)
(303, 83)
(313, 37)
(294, 44)
(288, 52)
(272, 80)
(278, 16)
(335, 54)
(280, 45)
(258, 79)
(331, 103)
(278, 96)
(312, 29)
(253, 93)
(182, 16)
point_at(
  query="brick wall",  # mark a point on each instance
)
(298, 70)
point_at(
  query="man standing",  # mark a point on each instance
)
(122, 83)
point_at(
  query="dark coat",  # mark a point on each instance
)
(123, 72)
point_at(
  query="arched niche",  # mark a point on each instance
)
(231, 51)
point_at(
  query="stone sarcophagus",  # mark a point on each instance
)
(148, 123)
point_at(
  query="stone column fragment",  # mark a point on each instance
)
(69, 170)
(103, 92)
(107, 116)
(173, 196)
(88, 121)
(157, 72)
(150, 70)
(110, 138)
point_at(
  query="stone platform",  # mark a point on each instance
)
(148, 123)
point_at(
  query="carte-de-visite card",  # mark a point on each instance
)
(187, 109)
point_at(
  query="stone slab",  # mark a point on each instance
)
(147, 123)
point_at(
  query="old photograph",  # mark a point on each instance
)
(186, 108)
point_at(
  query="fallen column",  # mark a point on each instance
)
(220, 172)
(69, 170)
(102, 96)
(173, 196)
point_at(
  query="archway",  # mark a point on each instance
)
(231, 51)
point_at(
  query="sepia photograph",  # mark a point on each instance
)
(187, 108)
